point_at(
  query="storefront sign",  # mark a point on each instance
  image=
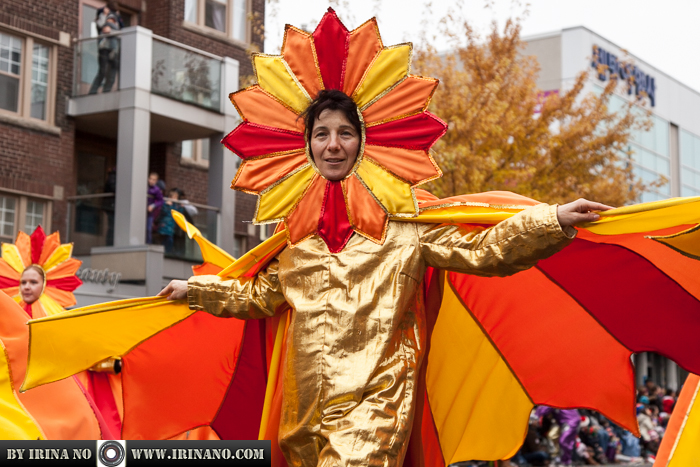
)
(100, 276)
(608, 65)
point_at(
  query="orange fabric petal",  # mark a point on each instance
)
(257, 174)
(7, 271)
(66, 269)
(62, 297)
(366, 215)
(364, 45)
(206, 268)
(409, 97)
(52, 242)
(24, 246)
(300, 54)
(257, 106)
(12, 291)
(412, 166)
(303, 221)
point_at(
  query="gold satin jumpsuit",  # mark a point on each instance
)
(357, 334)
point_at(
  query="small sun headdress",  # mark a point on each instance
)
(397, 134)
(53, 258)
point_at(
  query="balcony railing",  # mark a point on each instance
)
(90, 223)
(186, 74)
(97, 64)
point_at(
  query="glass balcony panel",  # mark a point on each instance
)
(186, 75)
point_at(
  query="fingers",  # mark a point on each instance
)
(166, 291)
(584, 205)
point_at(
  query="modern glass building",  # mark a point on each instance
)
(669, 150)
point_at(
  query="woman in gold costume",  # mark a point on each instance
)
(358, 335)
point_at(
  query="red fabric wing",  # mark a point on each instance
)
(415, 132)
(331, 39)
(250, 140)
(334, 226)
(537, 345)
(241, 410)
(154, 376)
(642, 307)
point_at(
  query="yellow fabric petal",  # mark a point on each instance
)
(465, 215)
(646, 217)
(15, 422)
(278, 200)
(394, 194)
(210, 252)
(51, 307)
(275, 77)
(476, 390)
(61, 254)
(68, 343)
(391, 66)
(686, 452)
(11, 255)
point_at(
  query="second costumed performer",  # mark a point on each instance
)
(342, 180)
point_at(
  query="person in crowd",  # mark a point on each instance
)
(668, 401)
(108, 21)
(155, 203)
(166, 223)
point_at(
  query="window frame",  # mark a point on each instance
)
(25, 79)
(197, 159)
(200, 26)
(21, 201)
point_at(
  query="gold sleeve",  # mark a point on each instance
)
(244, 298)
(504, 249)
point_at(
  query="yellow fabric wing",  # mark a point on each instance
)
(15, 422)
(471, 389)
(66, 344)
(210, 252)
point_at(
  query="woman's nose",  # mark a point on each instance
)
(334, 143)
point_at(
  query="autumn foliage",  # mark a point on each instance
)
(504, 134)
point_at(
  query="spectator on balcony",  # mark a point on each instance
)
(108, 21)
(155, 203)
(166, 223)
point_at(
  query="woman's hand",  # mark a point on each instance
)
(176, 290)
(579, 211)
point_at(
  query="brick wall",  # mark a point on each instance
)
(33, 161)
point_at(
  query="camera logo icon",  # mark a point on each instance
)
(111, 454)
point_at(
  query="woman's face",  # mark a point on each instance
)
(334, 144)
(30, 286)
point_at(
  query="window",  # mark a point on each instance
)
(25, 77)
(195, 151)
(22, 213)
(228, 17)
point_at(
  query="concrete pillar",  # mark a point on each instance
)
(671, 374)
(223, 163)
(640, 361)
(133, 137)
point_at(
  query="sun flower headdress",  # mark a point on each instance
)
(397, 134)
(53, 258)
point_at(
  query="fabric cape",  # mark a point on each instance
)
(498, 345)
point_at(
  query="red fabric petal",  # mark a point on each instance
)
(331, 39)
(6, 282)
(38, 237)
(68, 284)
(251, 139)
(419, 131)
(641, 306)
(334, 226)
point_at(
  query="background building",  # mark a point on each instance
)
(78, 162)
(671, 148)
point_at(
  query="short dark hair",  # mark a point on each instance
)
(331, 99)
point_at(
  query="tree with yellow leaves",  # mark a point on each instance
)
(504, 134)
